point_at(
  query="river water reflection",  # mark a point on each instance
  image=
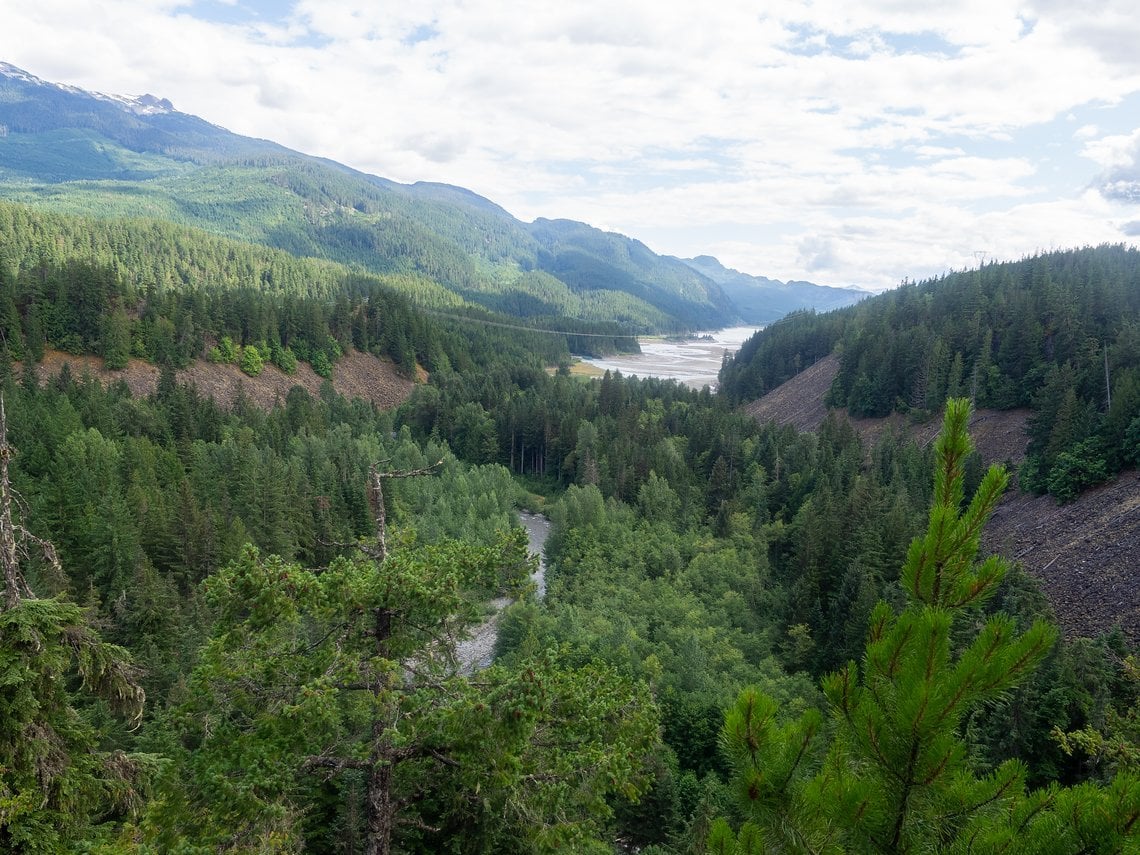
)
(694, 362)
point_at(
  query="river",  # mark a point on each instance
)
(694, 362)
(537, 531)
(477, 650)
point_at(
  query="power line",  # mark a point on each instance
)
(528, 329)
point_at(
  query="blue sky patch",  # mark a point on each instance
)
(242, 11)
(422, 33)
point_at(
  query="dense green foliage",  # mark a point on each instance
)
(149, 499)
(55, 776)
(1057, 333)
(346, 674)
(804, 514)
(164, 293)
(765, 562)
(294, 626)
(694, 553)
(895, 776)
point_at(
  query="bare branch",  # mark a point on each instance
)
(416, 822)
(15, 586)
(442, 758)
(376, 500)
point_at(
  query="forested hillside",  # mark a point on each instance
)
(78, 153)
(1058, 332)
(233, 628)
(169, 294)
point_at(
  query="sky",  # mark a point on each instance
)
(845, 142)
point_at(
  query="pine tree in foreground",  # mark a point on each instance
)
(892, 774)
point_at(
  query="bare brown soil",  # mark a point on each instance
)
(998, 434)
(355, 375)
(1086, 555)
(799, 402)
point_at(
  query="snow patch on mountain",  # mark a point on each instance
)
(143, 105)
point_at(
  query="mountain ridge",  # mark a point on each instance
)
(106, 155)
(761, 300)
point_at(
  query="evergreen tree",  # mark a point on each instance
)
(896, 776)
(116, 339)
(344, 681)
(57, 777)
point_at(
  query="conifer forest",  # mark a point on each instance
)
(241, 626)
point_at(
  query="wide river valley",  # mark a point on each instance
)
(694, 362)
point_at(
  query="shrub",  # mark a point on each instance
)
(251, 362)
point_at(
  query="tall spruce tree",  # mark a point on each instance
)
(893, 774)
(57, 778)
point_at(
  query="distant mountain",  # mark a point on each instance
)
(761, 300)
(87, 153)
(107, 155)
(591, 260)
(36, 111)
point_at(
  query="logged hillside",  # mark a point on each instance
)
(355, 375)
(1057, 334)
(1082, 553)
(801, 402)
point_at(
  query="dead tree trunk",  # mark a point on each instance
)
(14, 537)
(13, 579)
(380, 517)
(379, 810)
(1107, 382)
(376, 500)
(379, 807)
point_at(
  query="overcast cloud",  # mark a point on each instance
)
(839, 141)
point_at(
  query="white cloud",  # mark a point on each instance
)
(1108, 28)
(1114, 151)
(930, 152)
(885, 131)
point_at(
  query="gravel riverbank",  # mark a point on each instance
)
(477, 650)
